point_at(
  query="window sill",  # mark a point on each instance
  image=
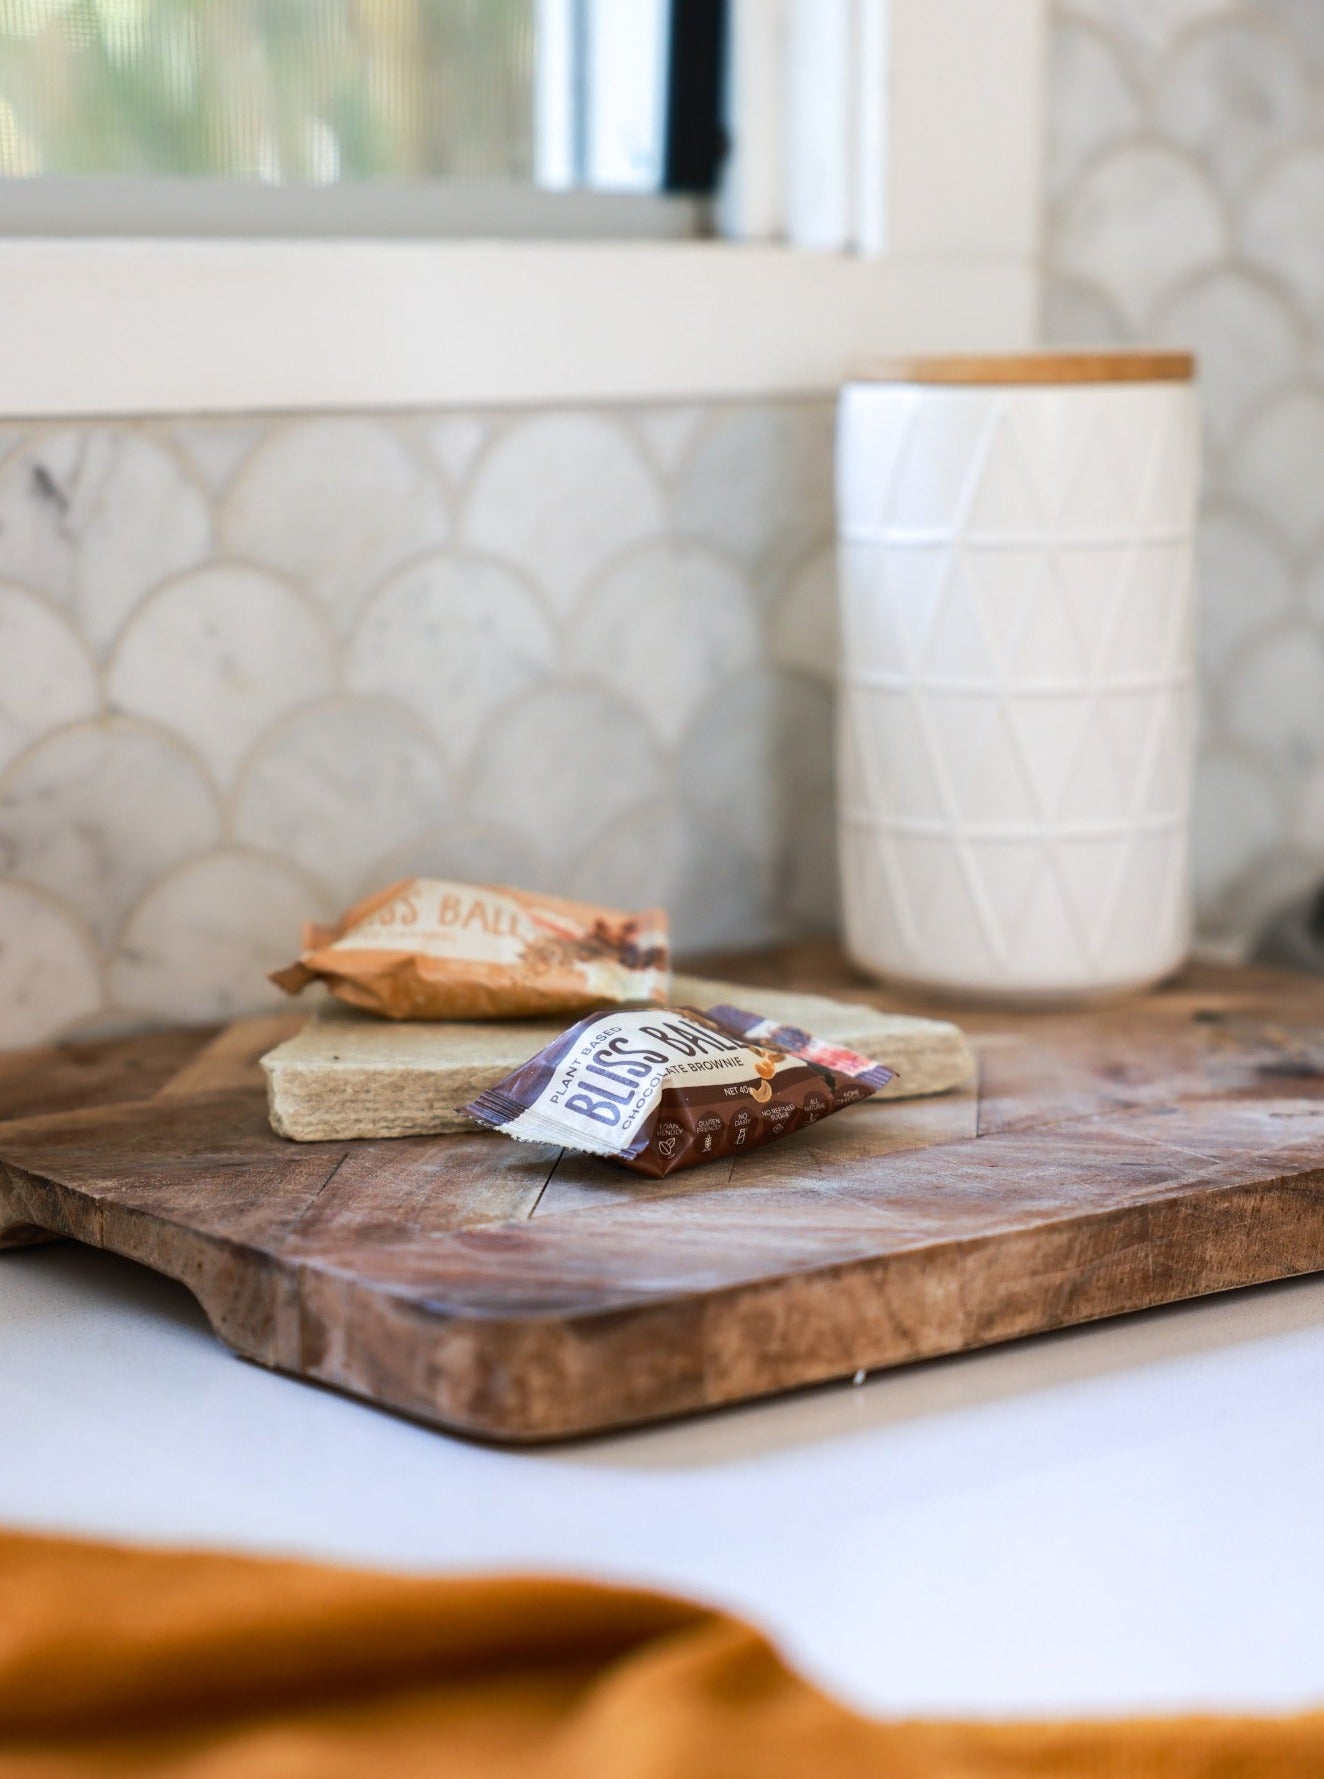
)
(223, 326)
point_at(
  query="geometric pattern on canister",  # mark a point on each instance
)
(1016, 724)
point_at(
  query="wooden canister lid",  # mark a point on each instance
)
(1129, 366)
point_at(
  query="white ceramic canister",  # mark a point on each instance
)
(1017, 701)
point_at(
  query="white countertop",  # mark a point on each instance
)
(1125, 1516)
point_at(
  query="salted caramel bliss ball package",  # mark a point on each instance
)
(429, 949)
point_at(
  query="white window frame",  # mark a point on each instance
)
(913, 225)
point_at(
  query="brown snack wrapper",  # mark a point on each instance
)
(427, 949)
(658, 1090)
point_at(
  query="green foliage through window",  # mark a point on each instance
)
(284, 91)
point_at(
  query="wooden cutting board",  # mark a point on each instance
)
(1107, 1161)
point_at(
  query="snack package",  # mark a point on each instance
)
(661, 1090)
(425, 949)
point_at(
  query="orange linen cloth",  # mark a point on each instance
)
(117, 1661)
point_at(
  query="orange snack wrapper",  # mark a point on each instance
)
(429, 949)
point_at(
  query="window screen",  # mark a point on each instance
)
(569, 94)
(282, 91)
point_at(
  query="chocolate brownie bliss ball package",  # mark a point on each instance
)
(659, 1089)
(428, 949)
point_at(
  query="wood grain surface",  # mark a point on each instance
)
(1107, 1161)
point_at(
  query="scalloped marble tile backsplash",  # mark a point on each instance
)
(250, 670)
(1186, 204)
